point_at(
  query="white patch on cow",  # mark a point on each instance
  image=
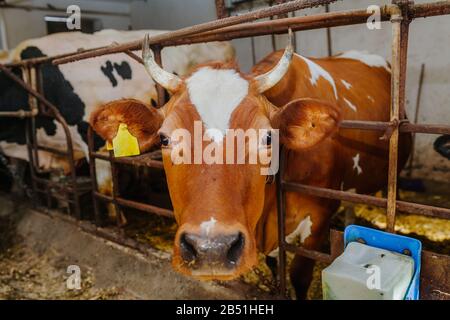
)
(215, 94)
(207, 226)
(346, 84)
(351, 105)
(317, 72)
(371, 98)
(303, 231)
(371, 60)
(356, 165)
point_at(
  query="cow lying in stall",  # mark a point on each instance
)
(77, 89)
(226, 212)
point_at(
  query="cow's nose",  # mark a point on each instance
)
(216, 251)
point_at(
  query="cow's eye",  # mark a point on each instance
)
(267, 139)
(165, 140)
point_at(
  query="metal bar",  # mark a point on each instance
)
(416, 118)
(207, 26)
(221, 10)
(51, 150)
(143, 160)
(59, 10)
(28, 134)
(93, 173)
(404, 126)
(312, 254)
(115, 187)
(400, 27)
(279, 26)
(281, 218)
(402, 206)
(329, 43)
(18, 114)
(424, 10)
(136, 205)
(332, 19)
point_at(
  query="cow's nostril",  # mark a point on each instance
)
(236, 249)
(188, 252)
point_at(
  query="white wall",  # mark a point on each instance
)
(21, 24)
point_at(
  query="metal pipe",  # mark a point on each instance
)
(93, 173)
(207, 26)
(18, 114)
(136, 205)
(332, 19)
(416, 118)
(400, 28)
(281, 219)
(402, 206)
(59, 10)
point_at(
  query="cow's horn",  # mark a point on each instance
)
(166, 79)
(272, 77)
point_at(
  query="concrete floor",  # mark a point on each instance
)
(36, 250)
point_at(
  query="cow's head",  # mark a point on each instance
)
(217, 206)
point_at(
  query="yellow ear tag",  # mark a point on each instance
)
(124, 143)
(109, 146)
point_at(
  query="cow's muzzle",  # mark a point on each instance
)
(219, 253)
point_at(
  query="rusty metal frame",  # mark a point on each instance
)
(33, 84)
(400, 13)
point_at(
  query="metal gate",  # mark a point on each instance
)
(400, 13)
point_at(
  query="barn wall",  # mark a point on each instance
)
(429, 44)
(21, 24)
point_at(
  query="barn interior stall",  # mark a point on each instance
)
(87, 207)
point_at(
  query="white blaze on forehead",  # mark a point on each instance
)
(317, 72)
(371, 98)
(215, 94)
(302, 231)
(356, 165)
(371, 60)
(207, 226)
(346, 84)
(351, 105)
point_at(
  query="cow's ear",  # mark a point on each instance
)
(304, 123)
(142, 121)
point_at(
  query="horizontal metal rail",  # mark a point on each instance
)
(135, 205)
(142, 160)
(403, 206)
(203, 27)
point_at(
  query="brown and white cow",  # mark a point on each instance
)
(227, 212)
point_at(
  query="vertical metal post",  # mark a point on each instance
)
(115, 187)
(281, 215)
(400, 27)
(416, 118)
(93, 172)
(28, 137)
(329, 43)
(159, 89)
(221, 10)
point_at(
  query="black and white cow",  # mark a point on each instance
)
(78, 88)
